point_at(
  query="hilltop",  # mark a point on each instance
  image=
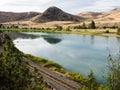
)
(55, 14)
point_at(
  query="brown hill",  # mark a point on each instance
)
(105, 16)
(109, 18)
(55, 14)
(10, 16)
(111, 15)
(89, 15)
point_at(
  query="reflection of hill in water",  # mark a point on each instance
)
(52, 40)
(15, 35)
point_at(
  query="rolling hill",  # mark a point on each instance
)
(102, 16)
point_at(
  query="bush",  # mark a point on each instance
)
(118, 31)
(58, 27)
(52, 64)
(92, 25)
(107, 31)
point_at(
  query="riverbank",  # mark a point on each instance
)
(97, 32)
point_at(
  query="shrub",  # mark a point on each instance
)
(118, 31)
(107, 31)
(57, 27)
(92, 25)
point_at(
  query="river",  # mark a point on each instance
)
(77, 53)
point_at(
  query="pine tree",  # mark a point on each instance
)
(92, 25)
(118, 31)
(84, 26)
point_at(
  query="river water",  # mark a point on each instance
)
(77, 53)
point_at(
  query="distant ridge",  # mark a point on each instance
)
(55, 14)
(11, 16)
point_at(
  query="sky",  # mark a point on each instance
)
(70, 6)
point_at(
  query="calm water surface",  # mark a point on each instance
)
(78, 53)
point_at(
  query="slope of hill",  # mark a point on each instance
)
(111, 15)
(55, 14)
(89, 15)
(109, 18)
(10, 16)
(102, 16)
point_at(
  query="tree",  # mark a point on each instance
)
(58, 27)
(118, 31)
(113, 79)
(68, 28)
(92, 25)
(1, 25)
(84, 26)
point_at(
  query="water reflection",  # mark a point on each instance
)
(118, 39)
(92, 39)
(52, 40)
(15, 35)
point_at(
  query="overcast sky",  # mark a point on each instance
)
(70, 6)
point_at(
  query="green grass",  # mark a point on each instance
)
(27, 29)
(46, 63)
(97, 32)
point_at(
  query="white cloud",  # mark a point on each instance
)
(102, 5)
(71, 6)
(23, 5)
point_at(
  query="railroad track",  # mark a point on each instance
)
(61, 81)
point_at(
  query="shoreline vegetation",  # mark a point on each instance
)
(96, 32)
